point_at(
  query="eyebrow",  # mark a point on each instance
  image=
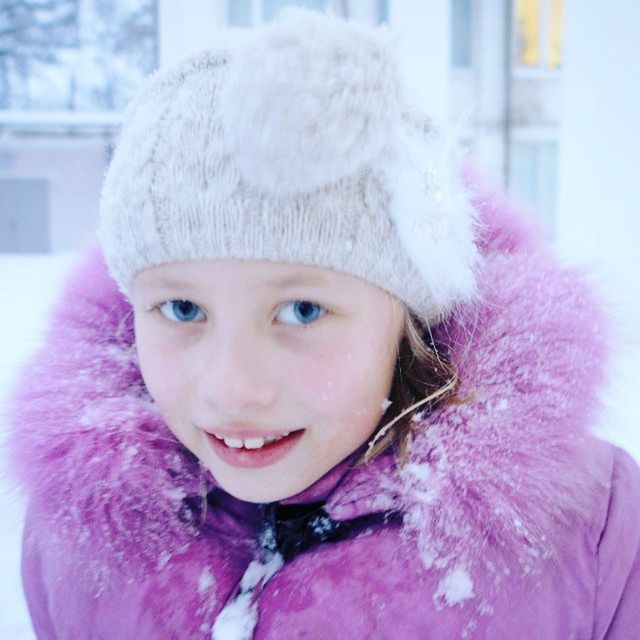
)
(289, 281)
(285, 282)
(168, 283)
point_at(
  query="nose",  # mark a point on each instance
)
(236, 376)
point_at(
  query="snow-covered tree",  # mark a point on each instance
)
(74, 54)
(31, 34)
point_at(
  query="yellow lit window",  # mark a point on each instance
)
(527, 32)
(538, 33)
(555, 55)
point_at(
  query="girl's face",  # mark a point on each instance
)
(270, 373)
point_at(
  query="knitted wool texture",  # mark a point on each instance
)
(291, 142)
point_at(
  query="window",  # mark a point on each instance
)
(247, 13)
(24, 214)
(461, 33)
(271, 8)
(538, 33)
(532, 177)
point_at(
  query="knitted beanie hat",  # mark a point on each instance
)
(291, 142)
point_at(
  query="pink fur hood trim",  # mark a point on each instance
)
(491, 480)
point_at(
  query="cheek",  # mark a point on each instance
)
(328, 374)
(347, 383)
(162, 373)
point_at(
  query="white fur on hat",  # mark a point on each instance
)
(304, 105)
(431, 210)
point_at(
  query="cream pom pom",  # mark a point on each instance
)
(308, 101)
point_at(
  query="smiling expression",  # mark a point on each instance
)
(270, 373)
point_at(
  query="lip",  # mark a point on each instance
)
(247, 432)
(254, 458)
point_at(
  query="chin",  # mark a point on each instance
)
(258, 496)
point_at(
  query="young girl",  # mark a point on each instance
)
(318, 388)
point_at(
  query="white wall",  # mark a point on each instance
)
(599, 174)
(599, 168)
(423, 30)
(184, 28)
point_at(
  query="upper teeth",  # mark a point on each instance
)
(249, 443)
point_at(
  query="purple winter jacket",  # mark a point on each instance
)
(508, 521)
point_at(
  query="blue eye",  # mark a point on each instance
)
(181, 311)
(301, 312)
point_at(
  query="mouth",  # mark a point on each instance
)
(250, 443)
(254, 451)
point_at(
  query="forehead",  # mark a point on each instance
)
(253, 274)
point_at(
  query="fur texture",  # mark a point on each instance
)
(489, 481)
(431, 210)
(309, 100)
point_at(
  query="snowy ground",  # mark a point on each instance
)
(30, 283)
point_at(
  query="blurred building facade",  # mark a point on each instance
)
(67, 69)
(518, 78)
